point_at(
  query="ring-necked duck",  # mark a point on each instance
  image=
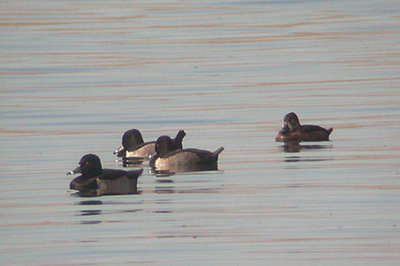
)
(134, 146)
(98, 181)
(171, 160)
(292, 131)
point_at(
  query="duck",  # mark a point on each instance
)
(133, 145)
(168, 159)
(94, 180)
(293, 132)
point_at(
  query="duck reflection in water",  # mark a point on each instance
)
(188, 184)
(90, 212)
(170, 160)
(99, 211)
(296, 147)
(96, 181)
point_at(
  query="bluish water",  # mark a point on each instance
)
(75, 75)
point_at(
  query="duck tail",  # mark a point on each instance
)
(330, 131)
(181, 134)
(218, 151)
(134, 174)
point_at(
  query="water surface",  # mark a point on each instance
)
(76, 75)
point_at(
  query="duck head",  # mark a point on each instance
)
(89, 166)
(164, 145)
(290, 123)
(130, 140)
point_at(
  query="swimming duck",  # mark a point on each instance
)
(134, 146)
(168, 159)
(98, 181)
(292, 131)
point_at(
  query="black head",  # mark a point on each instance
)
(90, 165)
(131, 139)
(291, 122)
(164, 145)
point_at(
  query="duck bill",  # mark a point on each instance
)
(285, 129)
(118, 150)
(75, 171)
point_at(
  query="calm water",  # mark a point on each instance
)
(75, 75)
